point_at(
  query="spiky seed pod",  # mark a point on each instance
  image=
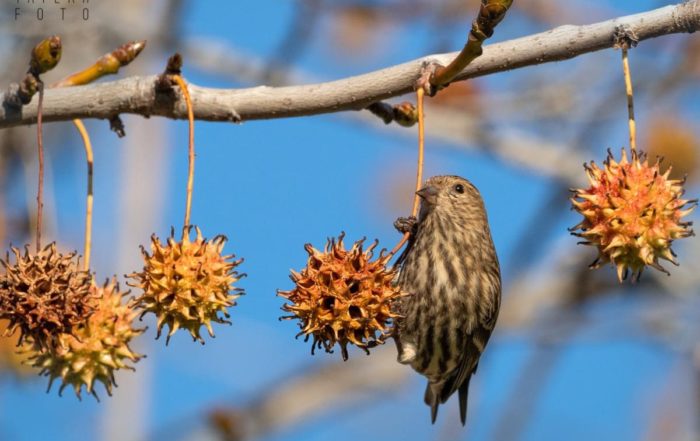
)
(632, 213)
(43, 295)
(343, 296)
(96, 348)
(187, 284)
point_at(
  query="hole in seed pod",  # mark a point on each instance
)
(328, 302)
(355, 312)
(315, 264)
(617, 222)
(324, 279)
(42, 287)
(354, 287)
(167, 300)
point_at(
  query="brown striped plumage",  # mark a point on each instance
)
(450, 271)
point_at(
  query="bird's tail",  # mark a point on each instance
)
(432, 399)
(439, 393)
(463, 394)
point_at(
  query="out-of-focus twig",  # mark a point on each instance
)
(108, 64)
(669, 414)
(491, 13)
(294, 42)
(310, 394)
(532, 379)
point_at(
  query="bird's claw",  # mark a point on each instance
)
(406, 224)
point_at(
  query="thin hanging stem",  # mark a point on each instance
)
(419, 168)
(190, 157)
(40, 144)
(88, 210)
(630, 99)
(421, 149)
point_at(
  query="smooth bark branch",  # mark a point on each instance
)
(137, 94)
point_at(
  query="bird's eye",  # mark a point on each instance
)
(459, 188)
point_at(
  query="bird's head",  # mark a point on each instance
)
(452, 194)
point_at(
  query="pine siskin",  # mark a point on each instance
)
(451, 274)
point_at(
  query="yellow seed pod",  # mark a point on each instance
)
(187, 284)
(632, 213)
(343, 296)
(96, 348)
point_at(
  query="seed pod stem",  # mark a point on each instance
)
(420, 93)
(40, 149)
(89, 200)
(630, 99)
(109, 63)
(190, 148)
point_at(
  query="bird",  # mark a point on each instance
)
(450, 273)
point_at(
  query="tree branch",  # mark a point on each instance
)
(137, 94)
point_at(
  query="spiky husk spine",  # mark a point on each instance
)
(96, 348)
(187, 284)
(631, 213)
(343, 296)
(43, 295)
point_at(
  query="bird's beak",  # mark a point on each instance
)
(428, 194)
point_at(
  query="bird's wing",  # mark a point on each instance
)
(406, 250)
(474, 345)
(469, 360)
